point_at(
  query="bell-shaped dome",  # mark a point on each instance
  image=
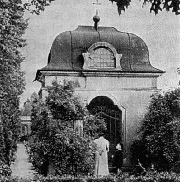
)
(68, 48)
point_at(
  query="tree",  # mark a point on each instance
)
(160, 132)
(156, 5)
(54, 138)
(36, 6)
(12, 26)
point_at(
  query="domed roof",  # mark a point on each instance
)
(68, 47)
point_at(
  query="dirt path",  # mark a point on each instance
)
(21, 167)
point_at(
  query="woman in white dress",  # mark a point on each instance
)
(101, 157)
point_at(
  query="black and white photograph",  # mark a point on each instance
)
(89, 90)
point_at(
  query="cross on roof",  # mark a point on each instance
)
(97, 3)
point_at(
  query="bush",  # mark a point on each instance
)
(71, 179)
(102, 179)
(4, 169)
(54, 144)
(139, 154)
(9, 179)
(125, 177)
(160, 131)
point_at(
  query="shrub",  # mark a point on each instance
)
(125, 177)
(159, 133)
(71, 179)
(54, 142)
(10, 179)
(4, 169)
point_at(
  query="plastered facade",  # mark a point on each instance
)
(130, 92)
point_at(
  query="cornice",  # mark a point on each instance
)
(99, 74)
(152, 89)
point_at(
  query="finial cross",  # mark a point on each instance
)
(97, 3)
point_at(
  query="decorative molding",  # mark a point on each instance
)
(118, 61)
(142, 89)
(99, 73)
(89, 60)
(101, 44)
(118, 74)
(86, 60)
(123, 90)
(61, 73)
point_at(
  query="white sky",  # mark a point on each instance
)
(160, 32)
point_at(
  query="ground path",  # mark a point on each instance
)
(21, 168)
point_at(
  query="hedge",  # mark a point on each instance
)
(125, 177)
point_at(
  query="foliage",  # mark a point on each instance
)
(12, 27)
(139, 153)
(156, 5)
(10, 179)
(4, 169)
(155, 176)
(125, 177)
(36, 6)
(54, 140)
(160, 131)
(38, 178)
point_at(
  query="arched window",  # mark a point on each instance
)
(101, 55)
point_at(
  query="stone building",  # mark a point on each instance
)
(25, 120)
(25, 127)
(111, 72)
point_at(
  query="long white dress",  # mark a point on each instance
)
(101, 158)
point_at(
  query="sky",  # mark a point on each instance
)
(160, 32)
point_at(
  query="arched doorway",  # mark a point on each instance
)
(112, 115)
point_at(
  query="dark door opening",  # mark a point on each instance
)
(112, 115)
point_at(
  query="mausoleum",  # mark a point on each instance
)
(111, 72)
